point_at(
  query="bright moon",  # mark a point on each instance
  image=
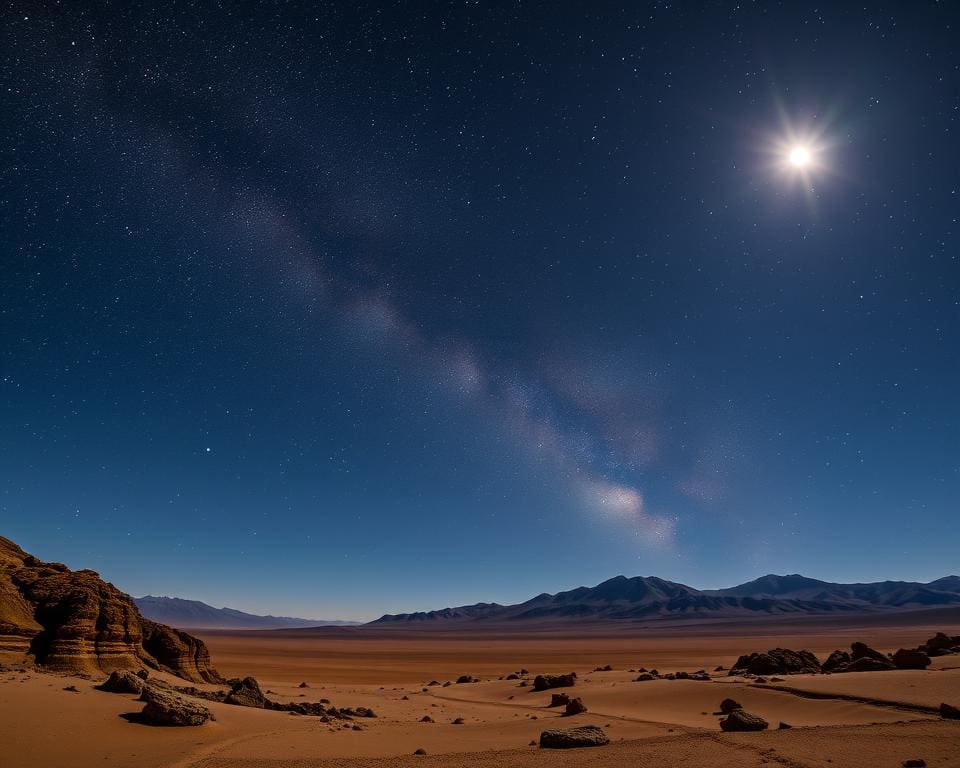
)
(799, 157)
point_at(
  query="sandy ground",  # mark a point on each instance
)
(869, 720)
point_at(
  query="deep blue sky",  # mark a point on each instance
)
(333, 312)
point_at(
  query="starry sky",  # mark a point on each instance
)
(337, 309)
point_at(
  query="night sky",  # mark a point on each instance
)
(338, 309)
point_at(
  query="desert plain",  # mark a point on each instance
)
(868, 720)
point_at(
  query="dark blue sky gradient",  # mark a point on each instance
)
(337, 311)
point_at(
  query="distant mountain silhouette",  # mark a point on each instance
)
(647, 597)
(181, 613)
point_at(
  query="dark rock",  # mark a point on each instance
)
(458, 721)
(741, 720)
(513, 676)
(72, 689)
(584, 736)
(784, 726)
(719, 669)
(644, 677)
(910, 659)
(867, 664)
(167, 708)
(246, 693)
(864, 651)
(777, 661)
(559, 700)
(728, 705)
(949, 712)
(420, 751)
(681, 676)
(545, 682)
(303, 685)
(606, 668)
(123, 682)
(941, 644)
(917, 762)
(575, 707)
(465, 679)
(835, 661)
(426, 719)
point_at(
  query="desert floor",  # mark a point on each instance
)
(869, 719)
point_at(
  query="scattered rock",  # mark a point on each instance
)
(719, 668)
(544, 682)
(575, 707)
(776, 679)
(123, 682)
(867, 664)
(166, 708)
(777, 661)
(513, 676)
(303, 685)
(559, 700)
(941, 644)
(458, 721)
(728, 705)
(910, 659)
(465, 679)
(246, 693)
(584, 736)
(741, 720)
(644, 677)
(835, 661)
(72, 689)
(915, 763)
(606, 668)
(949, 712)
(446, 684)
(864, 651)
(426, 719)
(420, 751)
(784, 726)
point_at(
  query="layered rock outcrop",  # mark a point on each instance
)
(74, 621)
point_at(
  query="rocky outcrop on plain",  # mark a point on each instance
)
(570, 738)
(861, 658)
(741, 720)
(246, 693)
(941, 644)
(907, 658)
(164, 707)
(123, 682)
(777, 661)
(75, 622)
(545, 682)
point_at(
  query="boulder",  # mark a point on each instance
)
(777, 661)
(570, 738)
(644, 677)
(741, 720)
(910, 659)
(545, 682)
(465, 679)
(949, 712)
(246, 693)
(864, 651)
(559, 700)
(164, 707)
(867, 664)
(941, 644)
(728, 705)
(784, 726)
(836, 660)
(575, 707)
(123, 682)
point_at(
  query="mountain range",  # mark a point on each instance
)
(648, 597)
(192, 614)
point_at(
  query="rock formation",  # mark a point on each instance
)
(164, 707)
(584, 736)
(777, 661)
(741, 720)
(74, 621)
(545, 682)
